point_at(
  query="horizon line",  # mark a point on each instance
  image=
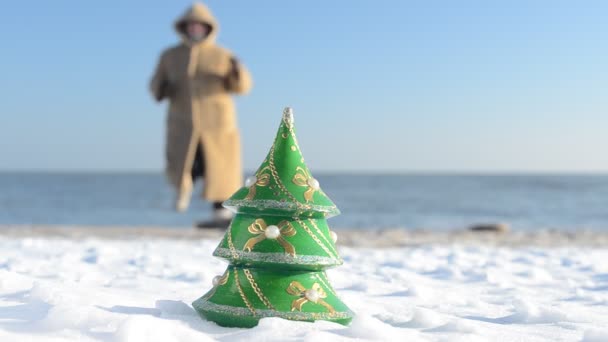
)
(330, 172)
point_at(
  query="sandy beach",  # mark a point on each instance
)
(347, 237)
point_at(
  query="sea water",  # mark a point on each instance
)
(367, 201)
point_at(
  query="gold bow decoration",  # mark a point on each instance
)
(259, 227)
(217, 282)
(316, 294)
(223, 279)
(303, 178)
(262, 179)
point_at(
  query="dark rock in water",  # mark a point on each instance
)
(491, 227)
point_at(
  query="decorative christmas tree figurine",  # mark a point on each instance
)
(278, 245)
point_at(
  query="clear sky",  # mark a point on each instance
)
(376, 85)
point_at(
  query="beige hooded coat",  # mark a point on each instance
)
(197, 79)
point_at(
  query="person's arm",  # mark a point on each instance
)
(238, 79)
(159, 85)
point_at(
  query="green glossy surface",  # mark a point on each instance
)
(277, 274)
(225, 305)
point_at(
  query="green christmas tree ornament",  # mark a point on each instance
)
(278, 245)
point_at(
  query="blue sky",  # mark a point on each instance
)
(376, 85)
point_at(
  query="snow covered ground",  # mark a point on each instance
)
(57, 289)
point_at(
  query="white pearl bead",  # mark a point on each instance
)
(250, 181)
(333, 235)
(313, 183)
(216, 280)
(312, 295)
(272, 232)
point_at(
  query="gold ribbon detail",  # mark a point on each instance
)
(259, 227)
(316, 294)
(262, 179)
(303, 178)
(221, 281)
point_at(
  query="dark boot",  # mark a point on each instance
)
(221, 218)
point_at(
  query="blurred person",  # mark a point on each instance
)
(197, 77)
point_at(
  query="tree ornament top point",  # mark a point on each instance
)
(288, 116)
(283, 183)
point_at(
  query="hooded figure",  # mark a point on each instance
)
(197, 77)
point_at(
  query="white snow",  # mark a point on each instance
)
(141, 290)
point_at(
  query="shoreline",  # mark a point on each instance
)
(376, 238)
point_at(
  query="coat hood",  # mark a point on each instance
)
(199, 13)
